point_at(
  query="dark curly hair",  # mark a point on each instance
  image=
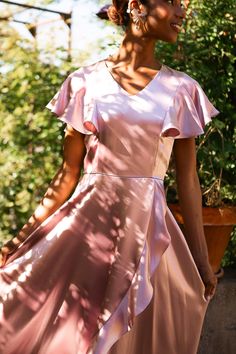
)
(117, 12)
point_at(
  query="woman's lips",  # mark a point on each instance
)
(176, 27)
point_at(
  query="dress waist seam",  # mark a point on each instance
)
(122, 176)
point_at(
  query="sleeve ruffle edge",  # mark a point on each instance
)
(189, 112)
(73, 106)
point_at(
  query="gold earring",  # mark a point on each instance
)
(138, 15)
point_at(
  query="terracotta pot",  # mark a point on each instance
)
(218, 226)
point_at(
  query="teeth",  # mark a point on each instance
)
(176, 25)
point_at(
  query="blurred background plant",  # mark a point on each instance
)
(207, 52)
(30, 143)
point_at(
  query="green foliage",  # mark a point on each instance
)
(31, 138)
(229, 259)
(206, 51)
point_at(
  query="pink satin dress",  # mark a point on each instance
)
(110, 270)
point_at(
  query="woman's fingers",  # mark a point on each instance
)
(3, 259)
(210, 288)
(9, 248)
(209, 279)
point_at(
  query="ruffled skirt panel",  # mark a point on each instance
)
(172, 322)
(86, 275)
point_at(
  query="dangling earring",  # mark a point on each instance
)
(138, 15)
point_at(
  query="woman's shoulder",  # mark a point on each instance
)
(86, 70)
(182, 79)
(83, 77)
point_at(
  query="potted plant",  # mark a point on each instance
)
(206, 50)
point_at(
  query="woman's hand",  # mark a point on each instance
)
(210, 281)
(9, 248)
(3, 258)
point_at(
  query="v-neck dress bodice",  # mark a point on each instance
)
(152, 81)
(132, 129)
(79, 282)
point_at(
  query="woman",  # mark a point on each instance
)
(86, 265)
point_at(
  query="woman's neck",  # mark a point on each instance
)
(135, 53)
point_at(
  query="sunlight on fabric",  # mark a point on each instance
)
(106, 315)
(28, 255)
(11, 288)
(24, 275)
(67, 222)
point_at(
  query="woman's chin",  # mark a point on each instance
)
(174, 40)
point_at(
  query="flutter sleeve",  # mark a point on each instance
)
(189, 111)
(74, 106)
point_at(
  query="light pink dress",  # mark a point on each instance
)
(112, 258)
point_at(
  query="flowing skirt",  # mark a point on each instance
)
(172, 322)
(109, 272)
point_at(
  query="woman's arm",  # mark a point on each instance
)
(190, 198)
(58, 191)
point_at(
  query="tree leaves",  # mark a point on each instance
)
(31, 138)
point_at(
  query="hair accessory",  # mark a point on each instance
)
(138, 15)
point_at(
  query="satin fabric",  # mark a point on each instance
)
(112, 259)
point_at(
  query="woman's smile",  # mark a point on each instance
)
(163, 15)
(177, 27)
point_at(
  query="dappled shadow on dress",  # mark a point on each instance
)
(92, 252)
(71, 274)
